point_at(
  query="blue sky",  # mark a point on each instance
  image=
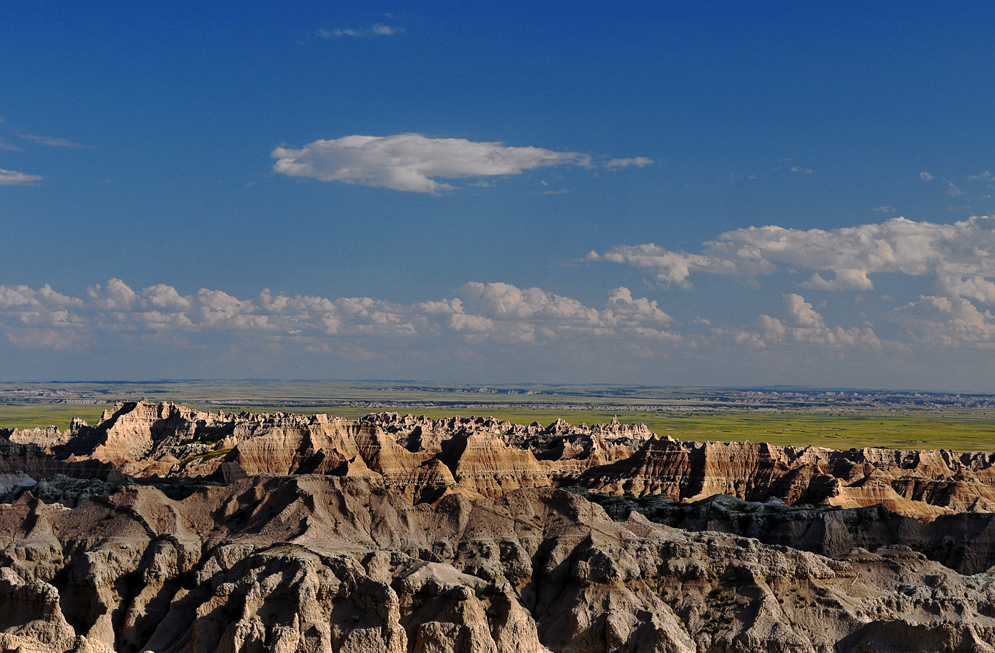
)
(652, 193)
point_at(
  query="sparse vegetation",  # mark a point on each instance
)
(204, 456)
(686, 413)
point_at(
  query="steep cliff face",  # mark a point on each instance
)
(166, 529)
(313, 563)
(424, 458)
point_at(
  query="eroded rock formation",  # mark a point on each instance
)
(424, 459)
(163, 528)
(318, 563)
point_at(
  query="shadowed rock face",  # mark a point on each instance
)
(167, 529)
(965, 542)
(424, 459)
(315, 563)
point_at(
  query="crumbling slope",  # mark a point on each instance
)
(312, 563)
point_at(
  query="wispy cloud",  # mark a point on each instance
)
(50, 141)
(7, 146)
(412, 162)
(639, 162)
(12, 178)
(379, 29)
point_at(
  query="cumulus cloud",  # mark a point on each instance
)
(497, 311)
(809, 328)
(116, 296)
(802, 312)
(947, 322)
(925, 176)
(506, 301)
(412, 162)
(163, 296)
(675, 267)
(532, 313)
(23, 297)
(958, 255)
(12, 178)
(844, 280)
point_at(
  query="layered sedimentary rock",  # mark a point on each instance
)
(964, 542)
(163, 528)
(424, 459)
(314, 563)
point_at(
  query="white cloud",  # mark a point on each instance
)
(412, 162)
(804, 171)
(117, 296)
(503, 300)
(46, 339)
(532, 313)
(925, 176)
(639, 162)
(959, 255)
(844, 280)
(625, 306)
(163, 296)
(50, 141)
(379, 29)
(497, 311)
(385, 30)
(20, 297)
(809, 329)
(675, 267)
(802, 312)
(947, 322)
(12, 178)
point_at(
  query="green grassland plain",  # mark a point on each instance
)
(683, 413)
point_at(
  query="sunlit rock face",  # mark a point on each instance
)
(424, 459)
(163, 528)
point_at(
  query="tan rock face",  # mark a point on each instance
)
(423, 459)
(315, 563)
(278, 532)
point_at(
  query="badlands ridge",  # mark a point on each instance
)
(163, 528)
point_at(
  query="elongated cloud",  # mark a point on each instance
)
(639, 162)
(378, 29)
(12, 178)
(412, 162)
(959, 255)
(495, 311)
(53, 141)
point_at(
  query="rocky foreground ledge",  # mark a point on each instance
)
(162, 528)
